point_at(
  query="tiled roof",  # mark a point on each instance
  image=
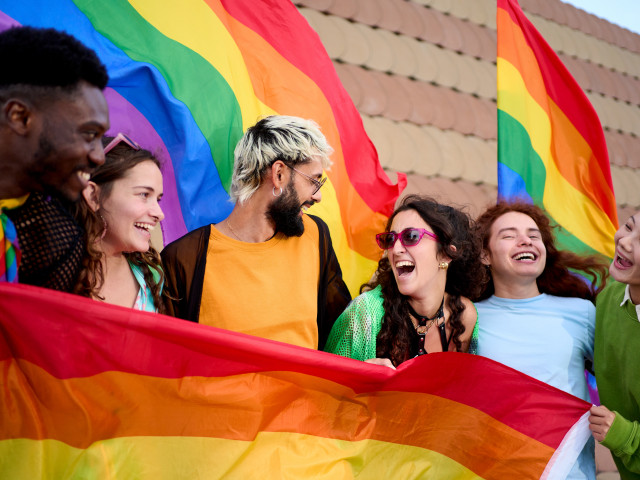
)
(422, 74)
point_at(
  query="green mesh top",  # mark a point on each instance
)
(355, 332)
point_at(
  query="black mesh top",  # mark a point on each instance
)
(51, 242)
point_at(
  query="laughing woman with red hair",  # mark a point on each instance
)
(535, 314)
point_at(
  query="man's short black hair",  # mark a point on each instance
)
(45, 57)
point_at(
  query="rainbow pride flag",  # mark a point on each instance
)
(189, 76)
(91, 390)
(551, 148)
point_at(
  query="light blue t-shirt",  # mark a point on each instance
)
(547, 338)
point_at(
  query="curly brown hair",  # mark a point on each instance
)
(557, 278)
(397, 339)
(117, 162)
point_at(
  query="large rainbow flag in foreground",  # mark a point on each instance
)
(551, 148)
(189, 76)
(91, 390)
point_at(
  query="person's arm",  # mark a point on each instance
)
(343, 333)
(355, 331)
(175, 282)
(470, 322)
(333, 294)
(184, 262)
(618, 434)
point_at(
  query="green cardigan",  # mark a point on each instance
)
(355, 332)
(616, 360)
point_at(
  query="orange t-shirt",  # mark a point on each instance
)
(267, 289)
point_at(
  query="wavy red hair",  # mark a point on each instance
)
(558, 277)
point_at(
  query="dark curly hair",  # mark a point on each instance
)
(117, 162)
(45, 63)
(557, 278)
(397, 339)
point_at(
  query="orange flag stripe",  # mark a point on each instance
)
(102, 406)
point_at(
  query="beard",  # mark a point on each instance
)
(284, 212)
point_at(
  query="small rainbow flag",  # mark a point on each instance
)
(551, 148)
(91, 390)
(189, 76)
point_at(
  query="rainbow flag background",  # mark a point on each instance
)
(91, 390)
(551, 147)
(189, 76)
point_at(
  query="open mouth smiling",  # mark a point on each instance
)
(405, 267)
(525, 257)
(144, 226)
(623, 262)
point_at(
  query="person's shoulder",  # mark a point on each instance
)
(566, 301)
(194, 236)
(613, 293)
(317, 220)
(486, 303)
(470, 314)
(187, 245)
(316, 231)
(613, 288)
(373, 296)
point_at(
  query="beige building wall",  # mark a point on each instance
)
(422, 74)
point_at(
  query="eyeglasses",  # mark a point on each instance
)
(121, 137)
(408, 237)
(317, 183)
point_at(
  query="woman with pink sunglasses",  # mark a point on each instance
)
(417, 302)
(119, 211)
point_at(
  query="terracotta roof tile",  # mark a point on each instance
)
(398, 106)
(320, 5)
(424, 99)
(378, 133)
(486, 119)
(428, 59)
(574, 19)
(465, 118)
(332, 36)
(368, 12)
(432, 30)
(428, 158)
(631, 146)
(617, 153)
(412, 24)
(349, 76)
(453, 165)
(467, 83)
(381, 56)
(391, 19)
(374, 98)
(448, 73)
(453, 28)
(358, 49)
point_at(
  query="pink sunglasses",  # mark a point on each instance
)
(121, 137)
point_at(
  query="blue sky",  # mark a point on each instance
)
(625, 13)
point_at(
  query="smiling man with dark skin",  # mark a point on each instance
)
(53, 115)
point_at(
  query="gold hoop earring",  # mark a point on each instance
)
(443, 265)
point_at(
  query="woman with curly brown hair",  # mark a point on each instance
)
(119, 210)
(536, 314)
(418, 301)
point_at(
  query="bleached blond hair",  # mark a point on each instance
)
(293, 140)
